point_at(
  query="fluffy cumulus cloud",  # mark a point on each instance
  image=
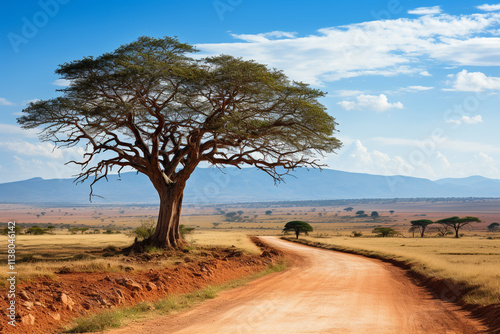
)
(425, 10)
(472, 82)
(384, 47)
(489, 8)
(418, 160)
(370, 102)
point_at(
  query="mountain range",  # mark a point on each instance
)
(211, 185)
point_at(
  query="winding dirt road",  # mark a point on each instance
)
(323, 292)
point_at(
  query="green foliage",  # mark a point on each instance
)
(349, 209)
(298, 227)
(35, 230)
(356, 234)
(457, 223)
(421, 225)
(374, 214)
(183, 230)
(384, 231)
(17, 229)
(144, 231)
(493, 227)
(269, 212)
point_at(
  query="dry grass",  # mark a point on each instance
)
(44, 255)
(474, 261)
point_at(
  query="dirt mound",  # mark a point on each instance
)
(45, 305)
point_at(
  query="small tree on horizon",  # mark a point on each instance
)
(421, 224)
(457, 223)
(493, 227)
(384, 231)
(298, 227)
(374, 214)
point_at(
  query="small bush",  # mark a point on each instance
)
(97, 322)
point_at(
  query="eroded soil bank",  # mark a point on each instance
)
(46, 305)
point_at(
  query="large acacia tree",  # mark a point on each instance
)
(150, 107)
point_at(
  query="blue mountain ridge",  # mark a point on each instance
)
(229, 185)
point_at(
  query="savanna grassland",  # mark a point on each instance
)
(473, 259)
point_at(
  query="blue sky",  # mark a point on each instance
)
(414, 85)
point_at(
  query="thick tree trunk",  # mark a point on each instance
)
(456, 231)
(167, 233)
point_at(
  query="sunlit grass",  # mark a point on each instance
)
(471, 260)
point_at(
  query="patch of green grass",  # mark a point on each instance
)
(173, 303)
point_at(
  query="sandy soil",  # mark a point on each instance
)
(322, 292)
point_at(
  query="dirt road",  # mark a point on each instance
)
(323, 292)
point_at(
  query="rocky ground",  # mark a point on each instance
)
(46, 305)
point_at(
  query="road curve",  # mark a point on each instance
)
(323, 292)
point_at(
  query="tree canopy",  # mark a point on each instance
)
(457, 223)
(148, 106)
(421, 224)
(298, 227)
(384, 231)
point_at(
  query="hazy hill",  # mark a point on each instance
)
(209, 185)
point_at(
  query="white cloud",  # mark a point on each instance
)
(384, 47)
(425, 74)
(348, 93)
(418, 88)
(472, 120)
(466, 120)
(472, 82)
(5, 102)
(26, 148)
(62, 82)
(489, 8)
(14, 130)
(26, 102)
(370, 102)
(264, 37)
(425, 10)
(415, 162)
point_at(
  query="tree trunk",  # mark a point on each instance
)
(423, 231)
(456, 232)
(167, 234)
(297, 234)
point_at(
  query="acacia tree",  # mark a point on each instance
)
(421, 224)
(298, 227)
(457, 223)
(149, 107)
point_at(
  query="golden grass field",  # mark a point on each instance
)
(44, 255)
(473, 259)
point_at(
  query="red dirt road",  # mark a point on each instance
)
(323, 292)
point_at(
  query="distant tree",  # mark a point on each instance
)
(239, 212)
(356, 234)
(349, 209)
(17, 229)
(298, 227)
(215, 224)
(185, 230)
(83, 229)
(457, 223)
(391, 212)
(421, 224)
(374, 214)
(269, 212)
(493, 227)
(384, 231)
(361, 213)
(412, 230)
(35, 230)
